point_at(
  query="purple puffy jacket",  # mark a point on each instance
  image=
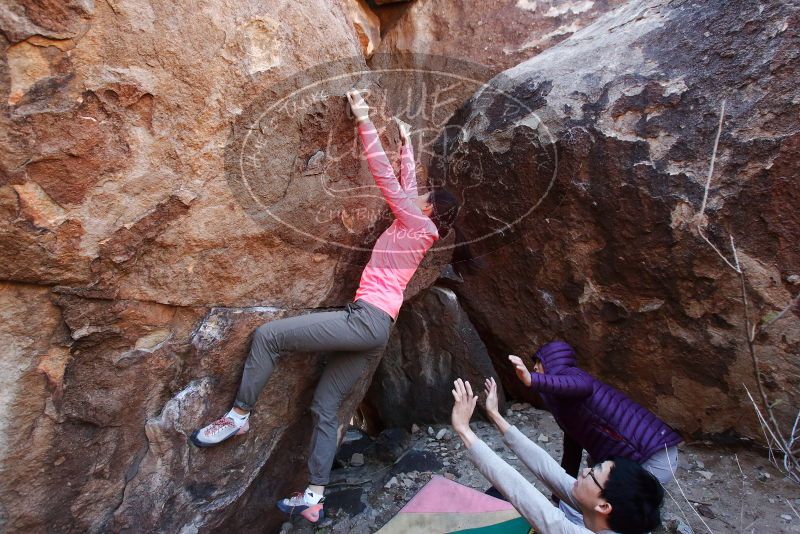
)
(601, 419)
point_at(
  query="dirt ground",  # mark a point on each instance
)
(717, 489)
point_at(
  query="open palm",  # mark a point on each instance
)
(490, 388)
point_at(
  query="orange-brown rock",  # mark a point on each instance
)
(160, 197)
(120, 234)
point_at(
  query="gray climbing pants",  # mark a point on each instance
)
(354, 336)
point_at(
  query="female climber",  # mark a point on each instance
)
(356, 334)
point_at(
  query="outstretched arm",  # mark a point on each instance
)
(568, 384)
(537, 459)
(401, 205)
(408, 168)
(527, 500)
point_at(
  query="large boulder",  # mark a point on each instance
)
(137, 271)
(116, 121)
(433, 344)
(583, 196)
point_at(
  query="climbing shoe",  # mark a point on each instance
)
(304, 505)
(220, 430)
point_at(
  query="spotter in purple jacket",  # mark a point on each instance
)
(599, 418)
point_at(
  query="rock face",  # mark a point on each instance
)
(585, 191)
(136, 271)
(448, 49)
(121, 236)
(497, 35)
(114, 168)
(160, 198)
(433, 344)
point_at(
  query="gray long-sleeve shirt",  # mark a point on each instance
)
(529, 502)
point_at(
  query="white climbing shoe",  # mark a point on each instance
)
(220, 430)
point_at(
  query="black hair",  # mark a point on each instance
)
(635, 496)
(445, 211)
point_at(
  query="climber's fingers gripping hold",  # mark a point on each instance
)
(405, 131)
(358, 106)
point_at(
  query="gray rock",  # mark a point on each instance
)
(392, 443)
(706, 474)
(357, 460)
(444, 434)
(673, 524)
(568, 117)
(683, 528)
(435, 325)
(417, 460)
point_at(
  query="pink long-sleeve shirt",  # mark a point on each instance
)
(400, 248)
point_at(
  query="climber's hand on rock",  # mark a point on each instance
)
(519, 367)
(358, 106)
(490, 388)
(464, 406)
(405, 131)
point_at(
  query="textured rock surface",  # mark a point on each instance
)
(496, 34)
(447, 50)
(433, 344)
(603, 254)
(134, 272)
(367, 25)
(112, 163)
(115, 122)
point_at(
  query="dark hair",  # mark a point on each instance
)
(635, 496)
(445, 211)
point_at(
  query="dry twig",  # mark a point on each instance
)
(773, 435)
(741, 509)
(675, 477)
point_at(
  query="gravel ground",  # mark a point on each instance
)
(717, 489)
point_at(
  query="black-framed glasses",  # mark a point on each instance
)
(591, 474)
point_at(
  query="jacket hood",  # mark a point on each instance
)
(556, 356)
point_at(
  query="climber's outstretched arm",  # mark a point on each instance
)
(523, 495)
(403, 207)
(408, 167)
